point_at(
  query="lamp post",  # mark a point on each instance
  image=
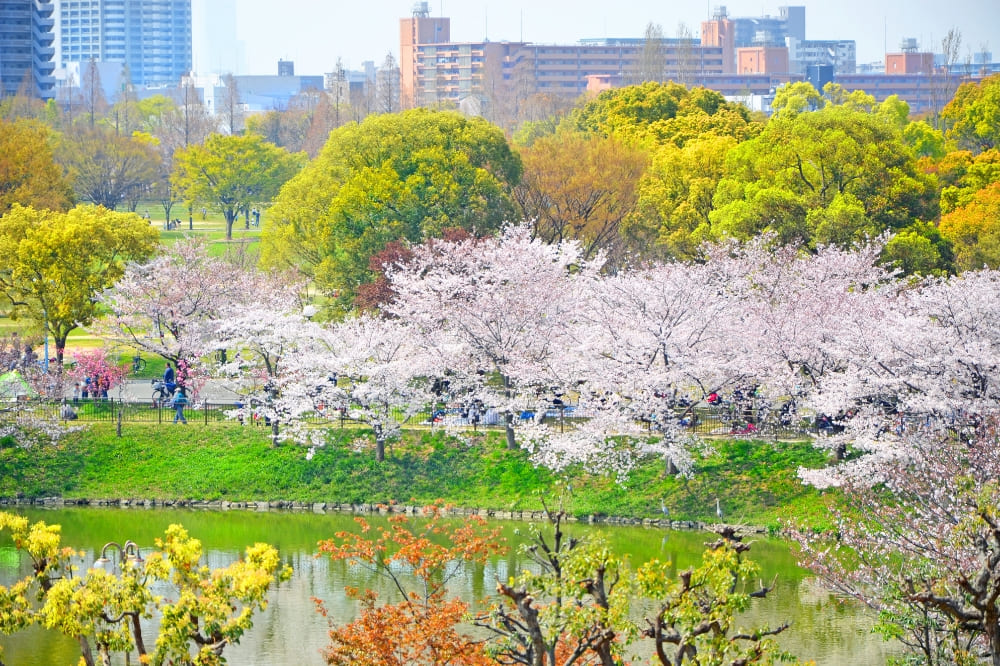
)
(127, 553)
(129, 560)
(45, 332)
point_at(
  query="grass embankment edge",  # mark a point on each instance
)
(755, 482)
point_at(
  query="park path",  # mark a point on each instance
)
(140, 390)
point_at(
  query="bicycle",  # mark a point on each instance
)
(161, 393)
(138, 364)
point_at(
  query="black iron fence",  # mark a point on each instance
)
(703, 420)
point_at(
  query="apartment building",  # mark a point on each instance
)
(152, 38)
(26, 48)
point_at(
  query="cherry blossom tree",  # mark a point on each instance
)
(924, 357)
(493, 313)
(372, 368)
(20, 376)
(166, 306)
(919, 542)
(649, 341)
(94, 364)
(170, 306)
(260, 341)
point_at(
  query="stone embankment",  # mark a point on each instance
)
(362, 509)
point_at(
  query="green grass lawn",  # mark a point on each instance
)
(755, 482)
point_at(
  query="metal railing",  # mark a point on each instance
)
(706, 420)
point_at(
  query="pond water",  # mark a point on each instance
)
(291, 633)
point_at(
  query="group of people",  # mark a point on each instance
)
(90, 387)
(25, 359)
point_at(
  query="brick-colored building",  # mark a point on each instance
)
(762, 60)
(721, 32)
(909, 62)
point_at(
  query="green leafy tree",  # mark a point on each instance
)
(653, 114)
(831, 175)
(233, 173)
(572, 606)
(924, 139)
(921, 249)
(695, 617)
(28, 172)
(53, 265)
(575, 605)
(676, 195)
(405, 176)
(794, 98)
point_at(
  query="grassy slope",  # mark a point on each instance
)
(754, 481)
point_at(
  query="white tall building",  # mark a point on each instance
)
(216, 48)
(151, 37)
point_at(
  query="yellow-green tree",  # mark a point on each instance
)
(107, 168)
(28, 173)
(653, 114)
(580, 187)
(397, 176)
(974, 114)
(233, 173)
(53, 264)
(974, 228)
(967, 175)
(201, 608)
(675, 199)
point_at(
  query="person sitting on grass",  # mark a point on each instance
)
(67, 413)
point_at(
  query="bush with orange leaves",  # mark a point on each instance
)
(418, 557)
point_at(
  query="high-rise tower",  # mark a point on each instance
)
(26, 48)
(151, 37)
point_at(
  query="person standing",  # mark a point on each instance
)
(169, 379)
(180, 399)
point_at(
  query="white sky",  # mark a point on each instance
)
(314, 33)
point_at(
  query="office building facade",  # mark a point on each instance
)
(27, 49)
(152, 38)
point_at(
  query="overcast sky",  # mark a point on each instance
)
(314, 33)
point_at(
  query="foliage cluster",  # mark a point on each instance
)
(571, 606)
(201, 609)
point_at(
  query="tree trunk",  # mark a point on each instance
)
(671, 468)
(991, 625)
(140, 645)
(85, 653)
(379, 442)
(509, 431)
(509, 420)
(274, 433)
(230, 219)
(60, 342)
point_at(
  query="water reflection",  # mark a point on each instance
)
(291, 632)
